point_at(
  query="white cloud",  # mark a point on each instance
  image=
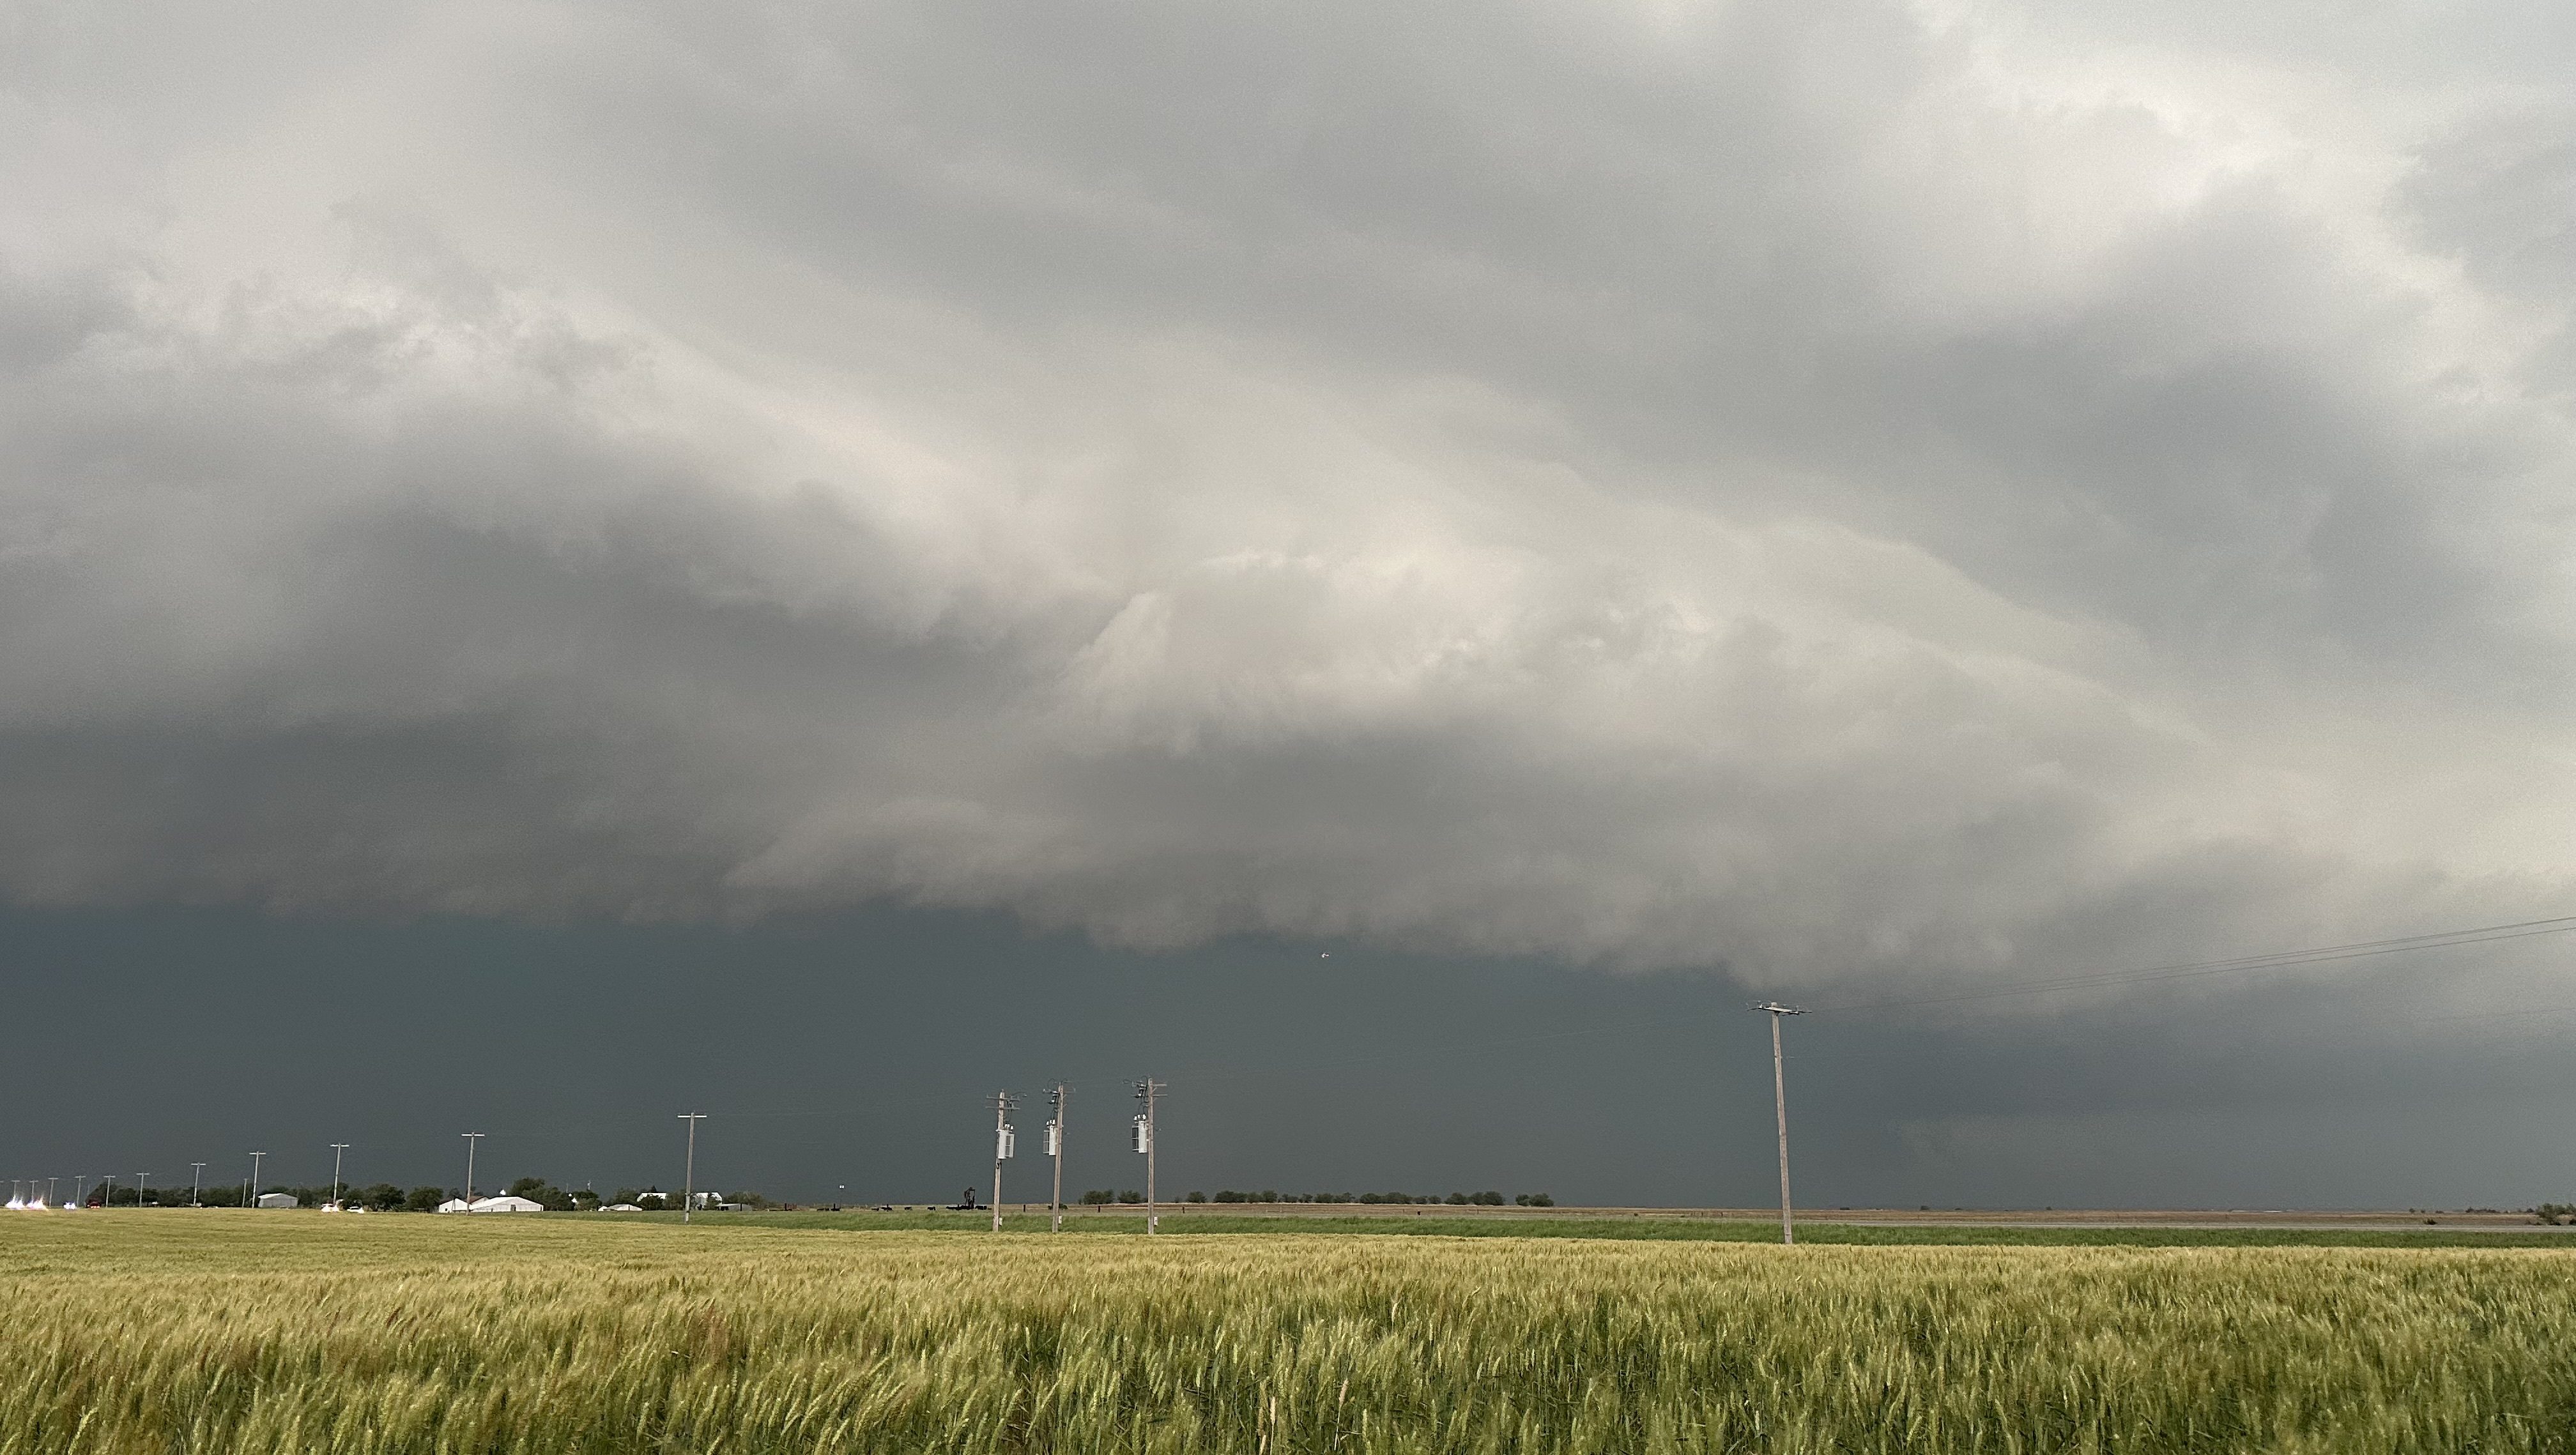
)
(1813, 487)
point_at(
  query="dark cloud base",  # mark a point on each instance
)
(858, 1051)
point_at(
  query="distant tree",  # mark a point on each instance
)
(1131, 1197)
(543, 1193)
(585, 1200)
(1198, 1197)
(424, 1199)
(1535, 1199)
(379, 1197)
(1488, 1199)
(1099, 1197)
(1229, 1195)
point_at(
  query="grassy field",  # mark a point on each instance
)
(175, 1331)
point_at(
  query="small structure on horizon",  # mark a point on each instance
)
(505, 1204)
(279, 1199)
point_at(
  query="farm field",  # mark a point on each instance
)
(232, 1331)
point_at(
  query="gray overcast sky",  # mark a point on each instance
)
(934, 519)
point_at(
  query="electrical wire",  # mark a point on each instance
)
(2198, 969)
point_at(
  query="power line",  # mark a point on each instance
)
(1236, 1070)
(2197, 969)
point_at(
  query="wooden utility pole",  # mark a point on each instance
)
(1148, 1091)
(689, 1169)
(1780, 1112)
(1055, 1149)
(1002, 1149)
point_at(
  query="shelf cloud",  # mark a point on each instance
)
(1831, 489)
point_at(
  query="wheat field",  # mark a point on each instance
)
(218, 1331)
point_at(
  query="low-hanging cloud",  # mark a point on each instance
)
(1832, 489)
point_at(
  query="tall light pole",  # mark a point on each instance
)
(254, 1177)
(1055, 1149)
(1780, 1111)
(196, 1182)
(1147, 1091)
(1003, 1147)
(471, 1138)
(689, 1177)
(336, 1149)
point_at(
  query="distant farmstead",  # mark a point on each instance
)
(505, 1204)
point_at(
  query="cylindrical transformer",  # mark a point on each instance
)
(1005, 1142)
(1142, 1139)
(1055, 1139)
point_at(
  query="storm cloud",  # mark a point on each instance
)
(1829, 489)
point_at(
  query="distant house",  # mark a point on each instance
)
(505, 1204)
(279, 1199)
(456, 1204)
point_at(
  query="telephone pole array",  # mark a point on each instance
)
(1780, 1110)
(1055, 1149)
(1147, 1092)
(1005, 1142)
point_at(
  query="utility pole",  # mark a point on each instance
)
(196, 1184)
(1148, 1091)
(1780, 1111)
(140, 1178)
(254, 1178)
(336, 1149)
(49, 1190)
(107, 1198)
(470, 1139)
(689, 1175)
(1003, 1140)
(1055, 1149)
(80, 1190)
